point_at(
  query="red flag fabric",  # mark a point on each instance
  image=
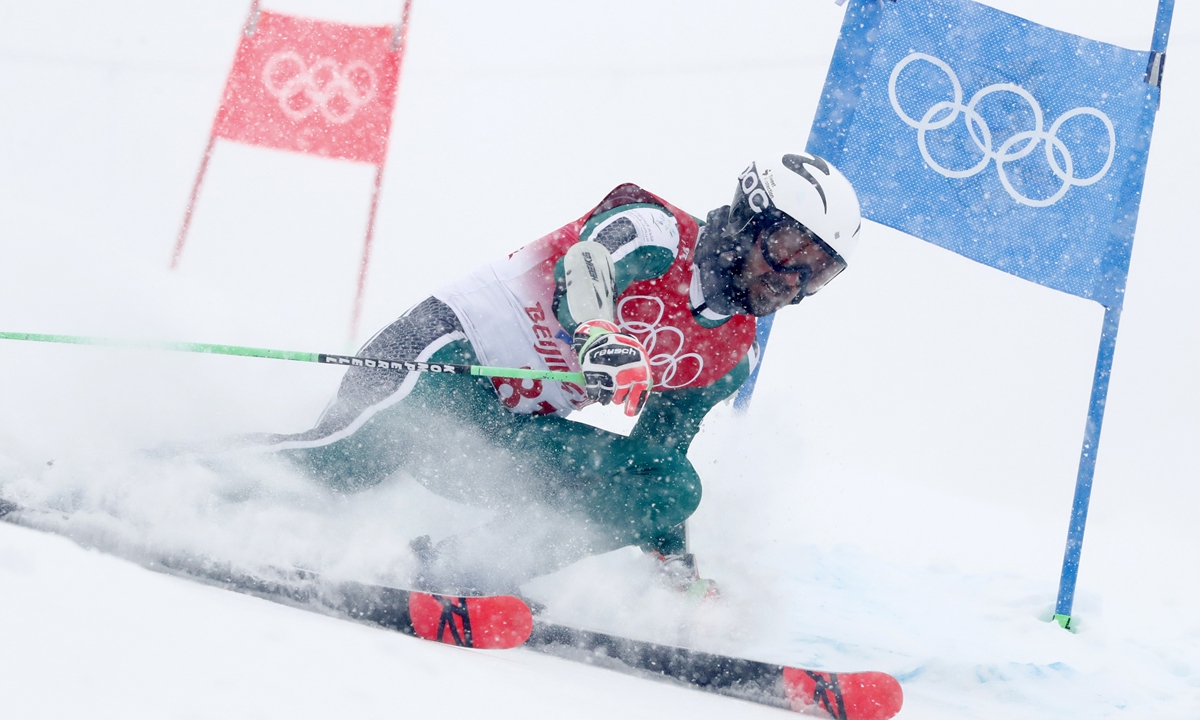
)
(312, 86)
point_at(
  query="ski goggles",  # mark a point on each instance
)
(792, 249)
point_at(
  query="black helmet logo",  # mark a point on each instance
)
(797, 163)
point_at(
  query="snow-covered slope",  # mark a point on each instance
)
(88, 635)
(896, 498)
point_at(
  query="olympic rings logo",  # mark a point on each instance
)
(337, 92)
(1019, 145)
(652, 335)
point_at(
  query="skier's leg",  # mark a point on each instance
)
(567, 491)
(350, 447)
(598, 492)
(641, 488)
(563, 490)
(675, 418)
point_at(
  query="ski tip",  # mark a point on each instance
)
(843, 696)
(496, 622)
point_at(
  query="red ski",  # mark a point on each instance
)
(503, 621)
(493, 622)
(845, 696)
(841, 696)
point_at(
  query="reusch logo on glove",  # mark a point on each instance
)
(615, 355)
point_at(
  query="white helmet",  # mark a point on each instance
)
(807, 189)
(798, 190)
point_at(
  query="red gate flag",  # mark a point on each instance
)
(312, 86)
(315, 87)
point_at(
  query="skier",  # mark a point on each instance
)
(658, 311)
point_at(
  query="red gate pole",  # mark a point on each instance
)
(366, 255)
(187, 215)
(399, 42)
(247, 29)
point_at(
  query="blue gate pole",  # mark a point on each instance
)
(762, 333)
(1162, 26)
(1104, 360)
(1087, 466)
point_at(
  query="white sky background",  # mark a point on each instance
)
(922, 416)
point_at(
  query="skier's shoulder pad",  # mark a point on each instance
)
(631, 220)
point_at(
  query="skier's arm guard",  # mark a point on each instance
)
(641, 241)
(591, 287)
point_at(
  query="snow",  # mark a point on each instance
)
(896, 498)
(91, 635)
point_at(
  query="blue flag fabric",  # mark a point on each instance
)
(1013, 144)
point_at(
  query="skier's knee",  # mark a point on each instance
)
(340, 474)
(685, 498)
(674, 500)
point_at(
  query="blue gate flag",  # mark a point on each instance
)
(1016, 145)
(1013, 144)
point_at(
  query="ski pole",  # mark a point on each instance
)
(322, 358)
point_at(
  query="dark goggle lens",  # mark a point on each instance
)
(822, 276)
(793, 249)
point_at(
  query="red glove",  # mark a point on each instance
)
(614, 365)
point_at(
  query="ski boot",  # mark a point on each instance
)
(680, 573)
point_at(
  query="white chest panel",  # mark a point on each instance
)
(506, 312)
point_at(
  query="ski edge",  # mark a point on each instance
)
(387, 607)
(841, 696)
